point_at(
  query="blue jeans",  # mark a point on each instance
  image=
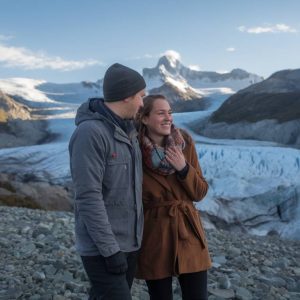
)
(107, 286)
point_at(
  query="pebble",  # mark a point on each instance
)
(224, 282)
(38, 261)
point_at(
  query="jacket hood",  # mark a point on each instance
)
(84, 112)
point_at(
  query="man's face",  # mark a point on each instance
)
(134, 104)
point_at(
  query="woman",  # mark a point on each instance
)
(174, 242)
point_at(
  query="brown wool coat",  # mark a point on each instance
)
(174, 240)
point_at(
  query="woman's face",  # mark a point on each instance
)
(159, 120)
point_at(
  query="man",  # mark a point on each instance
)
(106, 169)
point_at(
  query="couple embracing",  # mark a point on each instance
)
(136, 177)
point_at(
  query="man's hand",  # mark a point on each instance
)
(117, 263)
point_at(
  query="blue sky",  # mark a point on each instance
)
(75, 40)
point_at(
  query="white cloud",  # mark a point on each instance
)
(230, 49)
(172, 54)
(195, 67)
(242, 28)
(278, 28)
(23, 58)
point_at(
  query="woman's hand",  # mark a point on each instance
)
(175, 157)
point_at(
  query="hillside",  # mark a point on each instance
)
(246, 107)
(17, 127)
(10, 109)
(267, 111)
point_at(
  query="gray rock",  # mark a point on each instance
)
(41, 229)
(281, 263)
(27, 249)
(13, 293)
(9, 268)
(39, 276)
(294, 296)
(273, 281)
(234, 252)
(46, 297)
(220, 259)
(296, 271)
(59, 297)
(75, 287)
(224, 282)
(243, 294)
(35, 297)
(225, 294)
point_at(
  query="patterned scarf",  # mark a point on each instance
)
(154, 156)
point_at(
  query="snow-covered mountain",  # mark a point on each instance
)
(72, 92)
(37, 93)
(169, 70)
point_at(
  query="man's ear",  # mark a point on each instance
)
(128, 99)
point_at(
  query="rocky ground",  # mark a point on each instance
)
(38, 261)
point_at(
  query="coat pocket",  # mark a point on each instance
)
(118, 219)
(116, 175)
(196, 233)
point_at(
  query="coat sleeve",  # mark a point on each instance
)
(87, 161)
(194, 183)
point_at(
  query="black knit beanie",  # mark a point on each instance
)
(121, 82)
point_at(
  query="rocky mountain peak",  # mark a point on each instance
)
(170, 69)
(171, 61)
(239, 73)
(168, 65)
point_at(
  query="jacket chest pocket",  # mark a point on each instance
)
(116, 175)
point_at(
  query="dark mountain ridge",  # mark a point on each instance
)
(269, 111)
(277, 97)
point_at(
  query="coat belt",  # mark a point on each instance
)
(174, 208)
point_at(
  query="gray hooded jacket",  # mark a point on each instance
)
(106, 168)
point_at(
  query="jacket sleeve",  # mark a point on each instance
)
(87, 159)
(194, 183)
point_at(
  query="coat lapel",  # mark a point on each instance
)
(158, 178)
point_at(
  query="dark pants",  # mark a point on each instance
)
(193, 287)
(107, 286)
